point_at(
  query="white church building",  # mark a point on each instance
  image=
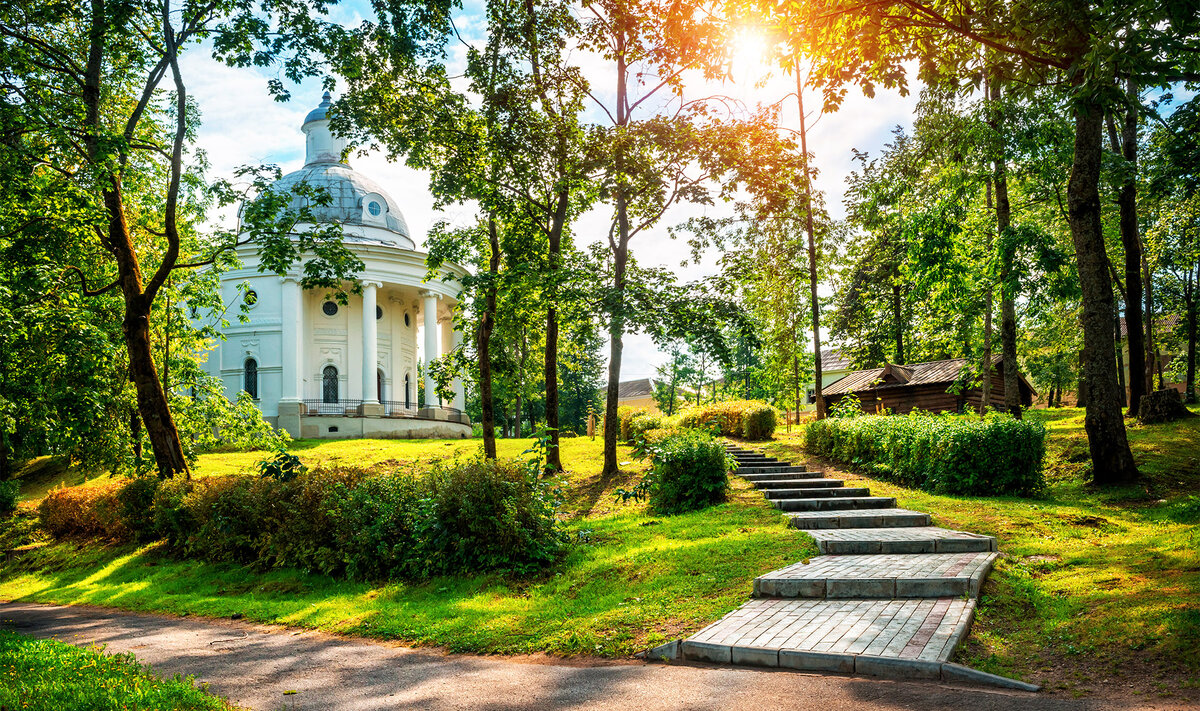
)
(320, 369)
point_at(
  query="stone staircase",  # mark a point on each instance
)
(892, 595)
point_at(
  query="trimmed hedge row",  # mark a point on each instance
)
(748, 419)
(953, 454)
(473, 515)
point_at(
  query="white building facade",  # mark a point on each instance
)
(320, 369)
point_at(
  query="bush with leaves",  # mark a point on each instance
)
(748, 419)
(489, 515)
(211, 422)
(952, 454)
(625, 417)
(473, 515)
(689, 471)
(10, 493)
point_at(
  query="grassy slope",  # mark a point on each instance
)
(632, 580)
(1094, 584)
(46, 675)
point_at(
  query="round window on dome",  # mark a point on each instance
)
(374, 208)
(330, 308)
(251, 297)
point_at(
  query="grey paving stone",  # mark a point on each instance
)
(816, 661)
(811, 520)
(881, 575)
(756, 656)
(812, 483)
(958, 673)
(915, 539)
(707, 652)
(892, 668)
(815, 492)
(855, 502)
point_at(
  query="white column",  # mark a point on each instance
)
(291, 309)
(370, 348)
(460, 392)
(431, 345)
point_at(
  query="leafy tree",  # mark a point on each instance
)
(95, 97)
(1088, 48)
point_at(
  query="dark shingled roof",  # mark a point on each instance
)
(833, 359)
(635, 388)
(931, 373)
(1165, 323)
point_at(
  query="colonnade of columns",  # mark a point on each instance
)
(293, 347)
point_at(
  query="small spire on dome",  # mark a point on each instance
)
(325, 100)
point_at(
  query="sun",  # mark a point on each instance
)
(747, 50)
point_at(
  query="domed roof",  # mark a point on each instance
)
(355, 198)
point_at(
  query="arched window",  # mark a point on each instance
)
(379, 384)
(250, 378)
(407, 392)
(329, 384)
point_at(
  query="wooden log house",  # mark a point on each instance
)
(901, 389)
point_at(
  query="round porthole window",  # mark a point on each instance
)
(374, 208)
(378, 312)
(251, 297)
(405, 319)
(330, 308)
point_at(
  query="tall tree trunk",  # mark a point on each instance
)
(812, 251)
(1120, 357)
(1112, 461)
(616, 323)
(1148, 315)
(553, 462)
(898, 322)
(1008, 309)
(1131, 241)
(487, 324)
(985, 399)
(1190, 301)
(521, 354)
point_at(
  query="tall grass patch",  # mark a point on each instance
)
(948, 454)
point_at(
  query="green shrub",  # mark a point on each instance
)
(10, 492)
(625, 417)
(375, 526)
(953, 454)
(689, 471)
(758, 422)
(732, 418)
(464, 516)
(91, 511)
(136, 501)
(489, 515)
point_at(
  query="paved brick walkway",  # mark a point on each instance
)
(893, 596)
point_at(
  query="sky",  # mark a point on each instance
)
(243, 125)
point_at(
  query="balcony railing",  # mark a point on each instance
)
(351, 408)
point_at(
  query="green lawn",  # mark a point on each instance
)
(631, 580)
(46, 675)
(1094, 584)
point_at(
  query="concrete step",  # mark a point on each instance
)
(768, 469)
(905, 639)
(868, 518)
(918, 539)
(885, 575)
(798, 484)
(814, 492)
(779, 475)
(832, 504)
(761, 462)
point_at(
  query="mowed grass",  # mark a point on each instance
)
(47, 675)
(1093, 584)
(630, 580)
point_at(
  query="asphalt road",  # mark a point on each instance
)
(254, 665)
